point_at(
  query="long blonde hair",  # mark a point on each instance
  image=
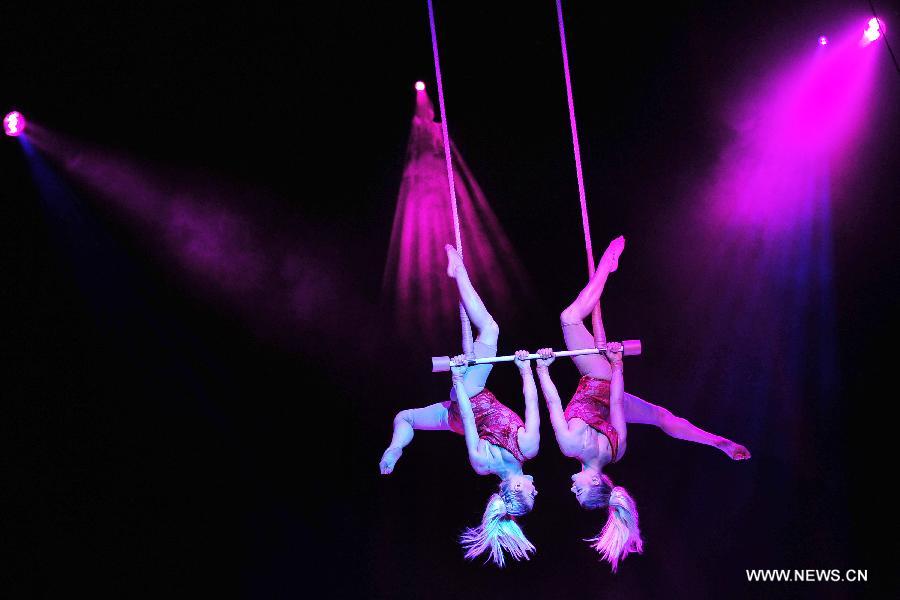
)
(499, 530)
(621, 535)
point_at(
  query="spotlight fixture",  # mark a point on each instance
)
(420, 86)
(14, 124)
(873, 30)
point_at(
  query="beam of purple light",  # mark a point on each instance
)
(415, 284)
(14, 124)
(752, 256)
(750, 259)
(810, 112)
(219, 247)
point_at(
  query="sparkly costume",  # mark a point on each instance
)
(591, 404)
(496, 423)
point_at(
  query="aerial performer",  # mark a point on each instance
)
(593, 427)
(497, 440)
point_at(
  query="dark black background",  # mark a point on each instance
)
(158, 443)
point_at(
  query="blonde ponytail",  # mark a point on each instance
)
(621, 535)
(499, 530)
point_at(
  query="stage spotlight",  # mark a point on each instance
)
(873, 31)
(14, 124)
(420, 86)
(823, 41)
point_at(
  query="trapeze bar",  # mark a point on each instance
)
(440, 364)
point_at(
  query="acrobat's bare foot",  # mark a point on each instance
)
(453, 260)
(610, 259)
(733, 450)
(389, 459)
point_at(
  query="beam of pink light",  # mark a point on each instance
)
(219, 247)
(415, 283)
(809, 113)
(14, 124)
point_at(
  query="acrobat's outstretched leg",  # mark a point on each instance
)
(434, 417)
(488, 330)
(641, 411)
(572, 318)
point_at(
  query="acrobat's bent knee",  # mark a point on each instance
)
(488, 334)
(490, 330)
(404, 416)
(569, 317)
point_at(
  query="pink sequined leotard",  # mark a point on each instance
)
(591, 404)
(496, 422)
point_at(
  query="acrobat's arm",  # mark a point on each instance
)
(568, 442)
(478, 462)
(530, 438)
(617, 396)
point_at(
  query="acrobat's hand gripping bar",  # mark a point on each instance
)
(440, 364)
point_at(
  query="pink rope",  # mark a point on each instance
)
(585, 224)
(468, 346)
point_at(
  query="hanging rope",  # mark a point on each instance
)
(468, 345)
(595, 316)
